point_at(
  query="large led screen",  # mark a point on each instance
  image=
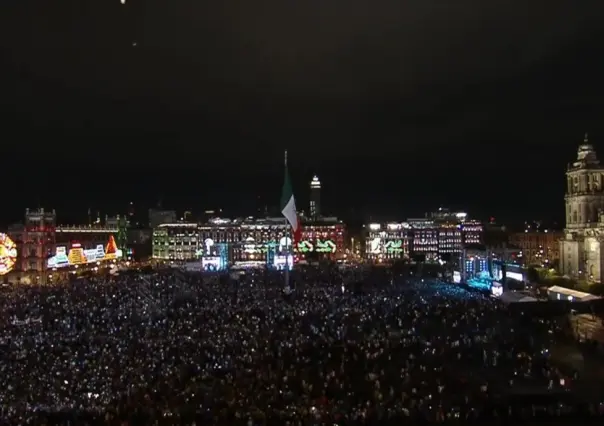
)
(212, 263)
(282, 261)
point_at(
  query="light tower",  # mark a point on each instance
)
(315, 198)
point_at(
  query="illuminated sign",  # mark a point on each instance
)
(395, 246)
(320, 246)
(77, 255)
(304, 246)
(8, 254)
(326, 246)
(456, 277)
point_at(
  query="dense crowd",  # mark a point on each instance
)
(171, 347)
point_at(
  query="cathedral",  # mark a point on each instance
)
(580, 253)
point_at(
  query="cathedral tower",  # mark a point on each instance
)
(584, 195)
(584, 199)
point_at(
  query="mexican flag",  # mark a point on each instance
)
(288, 208)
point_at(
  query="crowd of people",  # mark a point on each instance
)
(169, 347)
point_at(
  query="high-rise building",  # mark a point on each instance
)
(315, 198)
(580, 250)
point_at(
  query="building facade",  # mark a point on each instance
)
(423, 238)
(35, 240)
(580, 249)
(443, 235)
(176, 241)
(248, 239)
(538, 247)
(386, 242)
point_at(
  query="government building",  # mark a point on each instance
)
(580, 254)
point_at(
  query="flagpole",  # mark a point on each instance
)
(287, 241)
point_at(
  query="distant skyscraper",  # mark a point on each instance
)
(315, 198)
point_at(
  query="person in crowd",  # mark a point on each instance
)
(170, 347)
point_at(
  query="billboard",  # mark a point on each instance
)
(78, 255)
(8, 254)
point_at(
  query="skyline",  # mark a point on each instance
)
(243, 198)
(399, 108)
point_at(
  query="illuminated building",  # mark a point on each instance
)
(322, 238)
(315, 198)
(449, 225)
(248, 239)
(35, 240)
(423, 238)
(580, 249)
(77, 245)
(176, 241)
(539, 247)
(254, 239)
(75, 254)
(386, 242)
(443, 234)
(472, 231)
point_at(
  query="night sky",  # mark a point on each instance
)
(398, 106)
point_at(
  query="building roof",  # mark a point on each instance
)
(574, 293)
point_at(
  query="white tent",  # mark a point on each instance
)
(515, 297)
(563, 293)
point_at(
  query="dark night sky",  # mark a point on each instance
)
(399, 106)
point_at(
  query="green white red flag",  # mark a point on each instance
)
(288, 207)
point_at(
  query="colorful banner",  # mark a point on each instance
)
(77, 255)
(304, 246)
